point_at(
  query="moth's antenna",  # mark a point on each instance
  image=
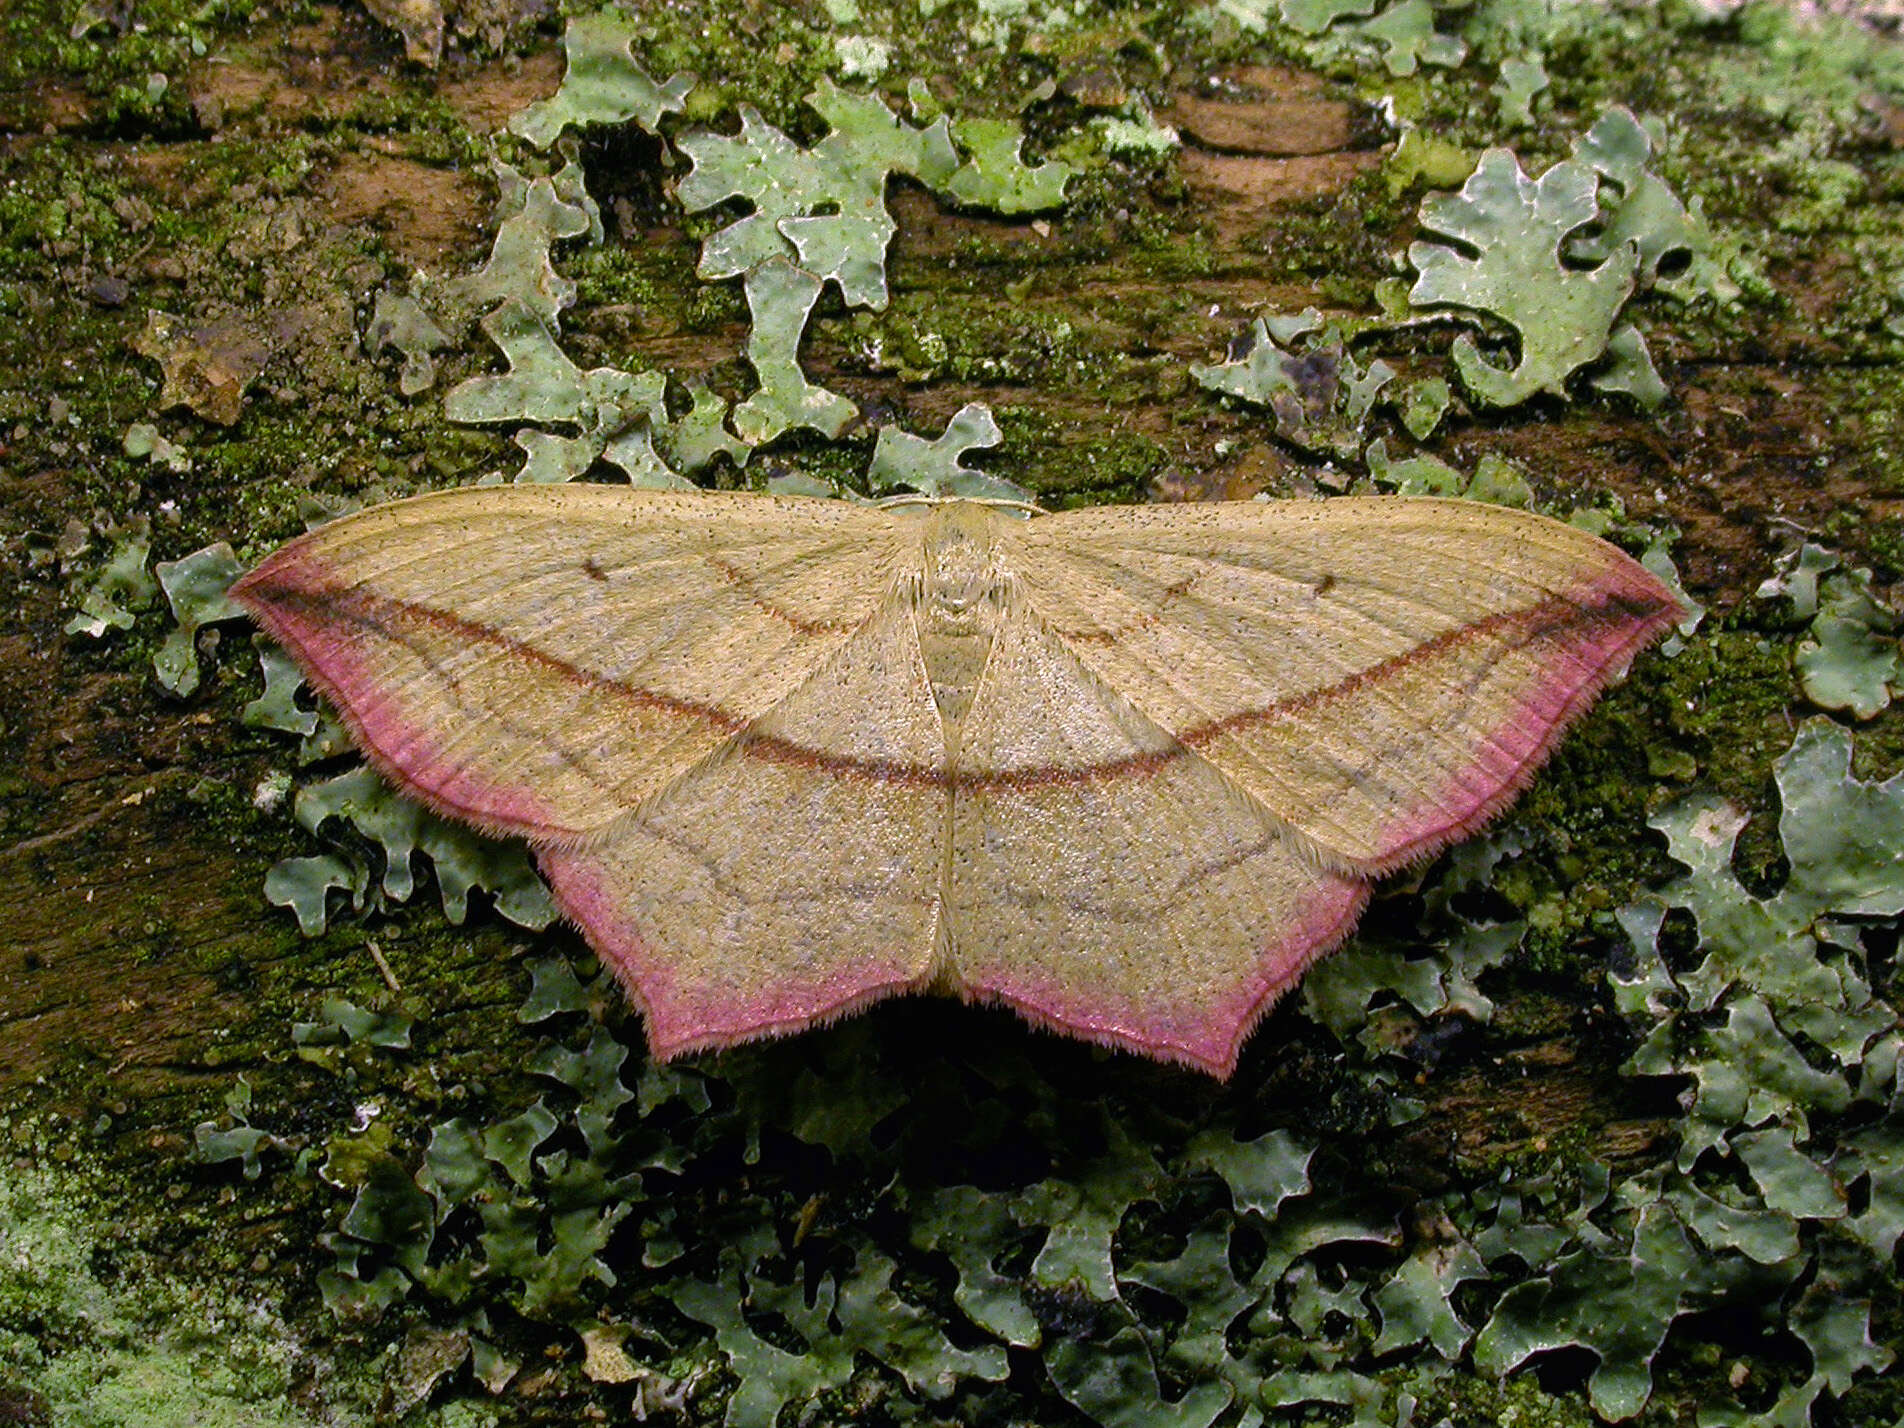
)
(918, 498)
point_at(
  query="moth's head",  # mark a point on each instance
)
(962, 573)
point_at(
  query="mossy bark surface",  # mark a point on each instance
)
(262, 172)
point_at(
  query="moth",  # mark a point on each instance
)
(1127, 770)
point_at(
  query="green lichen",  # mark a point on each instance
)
(1132, 138)
(1402, 35)
(780, 296)
(603, 83)
(533, 216)
(613, 409)
(400, 323)
(144, 441)
(1515, 227)
(122, 587)
(1805, 1038)
(615, 413)
(277, 708)
(1422, 405)
(462, 859)
(819, 215)
(933, 468)
(855, 1312)
(1408, 39)
(194, 587)
(1643, 211)
(344, 1021)
(1849, 659)
(1651, 1267)
(1556, 259)
(1521, 82)
(1320, 396)
(1494, 478)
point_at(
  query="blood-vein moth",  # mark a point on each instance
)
(1126, 770)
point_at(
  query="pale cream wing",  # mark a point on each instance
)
(1110, 884)
(538, 659)
(792, 876)
(1383, 674)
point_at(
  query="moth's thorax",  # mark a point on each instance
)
(963, 581)
(963, 592)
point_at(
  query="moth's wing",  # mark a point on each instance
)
(1382, 674)
(793, 876)
(1109, 883)
(539, 659)
(709, 711)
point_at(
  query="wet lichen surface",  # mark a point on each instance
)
(311, 1115)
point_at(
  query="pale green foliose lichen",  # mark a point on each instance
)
(1849, 659)
(463, 860)
(780, 296)
(819, 215)
(933, 468)
(195, 587)
(1556, 259)
(603, 83)
(122, 587)
(1402, 36)
(533, 216)
(398, 322)
(277, 708)
(1514, 228)
(613, 410)
(1791, 1051)
(1320, 396)
(1522, 81)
